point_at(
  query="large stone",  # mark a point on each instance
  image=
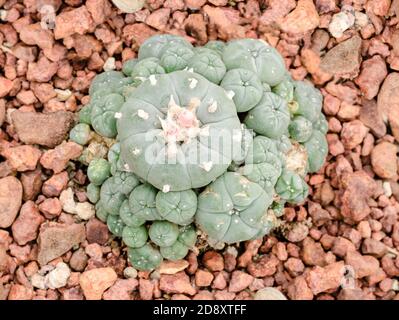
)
(74, 21)
(26, 226)
(44, 129)
(371, 117)
(384, 160)
(94, 282)
(357, 188)
(176, 283)
(10, 200)
(56, 239)
(388, 102)
(324, 279)
(344, 59)
(302, 19)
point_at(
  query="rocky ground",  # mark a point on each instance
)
(342, 243)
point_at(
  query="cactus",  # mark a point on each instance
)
(255, 56)
(270, 117)
(98, 171)
(85, 114)
(103, 114)
(321, 124)
(144, 68)
(93, 193)
(291, 187)
(232, 208)
(145, 257)
(208, 64)
(179, 249)
(246, 86)
(135, 237)
(300, 129)
(139, 129)
(80, 134)
(156, 165)
(177, 207)
(163, 233)
(129, 217)
(285, 89)
(309, 100)
(115, 225)
(142, 202)
(114, 159)
(176, 58)
(215, 45)
(101, 213)
(111, 197)
(317, 149)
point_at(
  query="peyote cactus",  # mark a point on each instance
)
(211, 140)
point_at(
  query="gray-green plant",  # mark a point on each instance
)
(166, 177)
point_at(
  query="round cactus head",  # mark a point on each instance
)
(186, 141)
(179, 249)
(145, 258)
(180, 138)
(163, 233)
(232, 208)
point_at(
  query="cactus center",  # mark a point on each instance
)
(180, 124)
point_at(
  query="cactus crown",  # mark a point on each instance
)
(216, 138)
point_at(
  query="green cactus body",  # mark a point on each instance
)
(128, 217)
(135, 237)
(317, 149)
(174, 252)
(177, 207)
(278, 207)
(145, 142)
(101, 213)
(145, 68)
(321, 124)
(291, 187)
(216, 137)
(124, 182)
(244, 148)
(109, 80)
(144, 258)
(176, 58)
(111, 197)
(208, 64)
(98, 171)
(115, 225)
(247, 88)
(232, 208)
(285, 89)
(114, 159)
(284, 144)
(300, 129)
(93, 193)
(142, 203)
(85, 114)
(270, 117)
(264, 150)
(128, 66)
(217, 46)
(155, 46)
(104, 112)
(163, 233)
(264, 174)
(80, 133)
(309, 100)
(179, 249)
(255, 56)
